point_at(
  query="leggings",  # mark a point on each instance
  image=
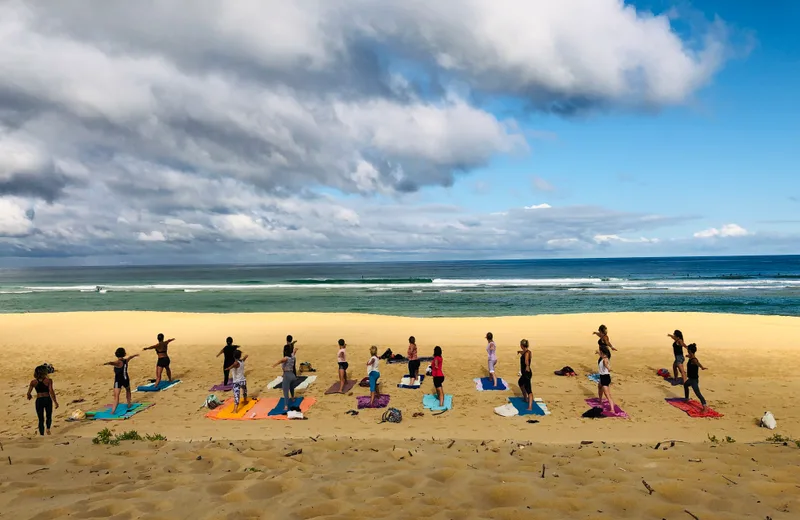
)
(226, 375)
(695, 384)
(288, 385)
(44, 405)
(525, 382)
(239, 388)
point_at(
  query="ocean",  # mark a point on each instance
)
(745, 285)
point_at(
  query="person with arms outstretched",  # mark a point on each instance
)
(121, 379)
(163, 357)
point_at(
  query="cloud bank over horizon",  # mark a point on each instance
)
(285, 131)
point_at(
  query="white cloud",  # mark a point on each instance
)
(539, 206)
(153, 236)
(728, 230)
(15, 220)
(604, 239)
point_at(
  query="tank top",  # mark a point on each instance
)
(374, 365)
(121, 372)
(288, 365)
(522, 367)
(437, 372)
(41, 387)
(692, 369)
(491, 353)
(677, 349)
(237, 373)
(601, 368)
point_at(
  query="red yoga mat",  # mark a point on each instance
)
(692, 408)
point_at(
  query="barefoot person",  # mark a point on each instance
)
(677, 350)
(374, 373)
(341, 359)
(604, 369)
(288, 363)
(693, 368)
(438, 374)
(239, 381)
(45, 398)
(525, 369)
(413, 361)
(121, 379)
(290, 342)
(491, 352)
(163, 358)
(604, 341)
(228, 350)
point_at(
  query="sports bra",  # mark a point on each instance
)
(42, 387)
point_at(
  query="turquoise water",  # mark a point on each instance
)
(747, 285)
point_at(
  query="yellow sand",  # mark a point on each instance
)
(752, 363)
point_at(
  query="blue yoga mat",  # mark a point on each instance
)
(486, 383)
(123, 412)
(280, 407)
(522, 406)
(163, 385)
(431, 402)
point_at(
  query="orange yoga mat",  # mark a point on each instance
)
(254, 409)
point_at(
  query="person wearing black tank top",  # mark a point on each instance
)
(693, 368)
(45, 398)
(604, 341)
(677, 350)
(525, 373)
(121, 379)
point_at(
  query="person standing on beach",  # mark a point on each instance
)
(413, 361)
(526, 373)
(341, 359)
(438, 374)
(239, 380)
(228, 350)
(163, 358)
(374, 373)
(121, 379)
(677, 350)
(693, 368)
(491, 351)
(288, 365)
(290, 342)
(604, 369)
(604, 341)
(45, 398)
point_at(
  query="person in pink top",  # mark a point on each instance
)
(437, 374)
(491, 351)
(413, 360)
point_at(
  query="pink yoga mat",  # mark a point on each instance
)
(618, 412)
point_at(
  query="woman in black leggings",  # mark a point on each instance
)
(45, 398)
(525, 373)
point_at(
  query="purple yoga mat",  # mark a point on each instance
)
(382, 401)
(618, 412)
(221, 388)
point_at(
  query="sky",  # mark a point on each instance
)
(268, 131)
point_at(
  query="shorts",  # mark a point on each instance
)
(492, 363)
(122, 383)
(413, 367)
(163, 362)
(437, 381)
(605, 379)
(373, 380)
(343, 366)
(679, 359)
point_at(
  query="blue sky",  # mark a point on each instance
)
(267, 131)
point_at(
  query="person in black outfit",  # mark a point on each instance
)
(693, 368)
(121, 379)
(289, 347)
(45, 398)
(526, 373)
(677, 350)
(229, 350)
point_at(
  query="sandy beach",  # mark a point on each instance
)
(751, 364)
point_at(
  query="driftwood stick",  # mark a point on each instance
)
(38, 470)
(293, 453)
(543, 470)
(649, 489)
(691, 514)
(729, 480)
(451, 444)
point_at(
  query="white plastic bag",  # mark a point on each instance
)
(768, 421)
(294, 415)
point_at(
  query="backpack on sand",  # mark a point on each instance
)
(392, 415)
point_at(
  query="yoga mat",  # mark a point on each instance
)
(225, 412)
(431, 402)
(221, 388)
(163, 385)
(404, 360)
(692, 408)
(297, 382)
(674, 382)
(304, 405)
(618, 412)
(382, 401)
(595, 378)
(301, 383)
(122, 413)
(522, 406)
(278, 409)
(485, 383)
(334, 389)
(406, 382)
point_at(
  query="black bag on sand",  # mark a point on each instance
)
(593, 413)
(387, 354)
